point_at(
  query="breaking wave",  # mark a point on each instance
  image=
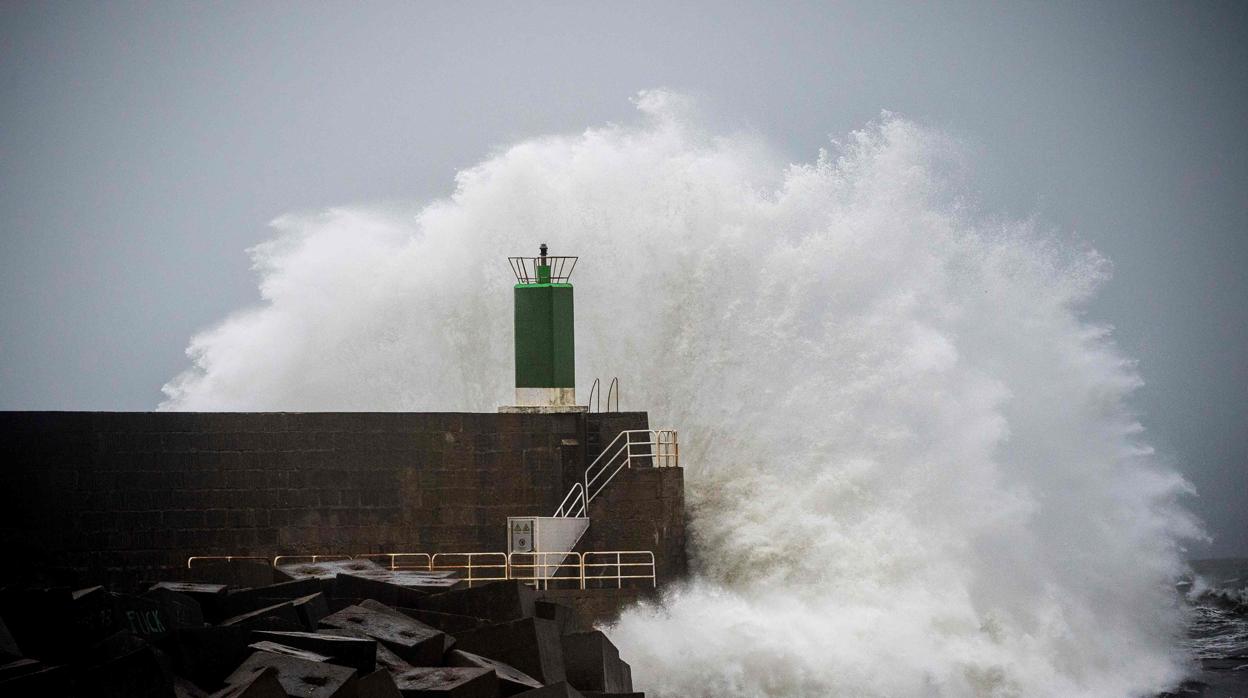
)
(911, 463)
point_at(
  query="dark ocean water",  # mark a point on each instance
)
(1217, 595)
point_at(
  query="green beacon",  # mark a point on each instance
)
(545, 340)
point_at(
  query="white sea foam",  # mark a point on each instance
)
(912, 468)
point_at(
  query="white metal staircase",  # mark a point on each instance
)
(549, 540)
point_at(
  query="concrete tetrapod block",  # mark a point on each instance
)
(326, 570)
(356, 652)
(412, 640)
(180, 609)
(300, 677)
(561, 689)
(207, 655)
(510, 679)
(239, 601)
(449, 623)
(447, 682)
(287, 650)
(448, 640)
(593, 663)
(143, 617)
(496, 601)
(281, 616)
(262, 684)
(395, 588)
(95, 614)
(46, 681)
(531, 645)
(387, 660)
(211, 597)
(379, 684)
(311, 609)
(19, 667)
(125, 666)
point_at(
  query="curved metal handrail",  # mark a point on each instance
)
(595, 396)
(574, 503)
(614, 389)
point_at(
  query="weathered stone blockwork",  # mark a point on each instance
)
(116, 497)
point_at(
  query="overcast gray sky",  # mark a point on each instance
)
(144, 146)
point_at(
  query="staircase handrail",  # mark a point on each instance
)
(574, 503)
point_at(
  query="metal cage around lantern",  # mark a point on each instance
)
(529, 270)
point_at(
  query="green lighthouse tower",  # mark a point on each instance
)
(545, 338)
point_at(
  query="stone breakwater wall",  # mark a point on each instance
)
(114, 498)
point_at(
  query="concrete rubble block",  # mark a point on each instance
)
(561, 689)
(300, 677)
(412, 640)
(125, 666)
(281, 616)
(210, 597)
(603, 694)
(278, 648)
(358, 653)
(262, 684)
(496, 601)
(236, 573)
(510, 679)
(449, 623)
(378, 684)
(396, 588)
(387, 660)
(447, 682)
(531, 645)
(207, 655)
(311, 609)
(181, 610)
(592, 663)
(238, 601)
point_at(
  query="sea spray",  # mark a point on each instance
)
(912, 467)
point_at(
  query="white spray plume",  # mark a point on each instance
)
(911, 465)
